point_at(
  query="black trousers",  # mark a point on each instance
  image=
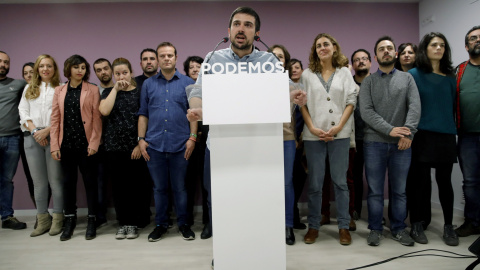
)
(419, 191)
(71, 161)
(358, 163)
(131, 186)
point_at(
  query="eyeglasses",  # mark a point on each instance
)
(356, 60)
(474, 38)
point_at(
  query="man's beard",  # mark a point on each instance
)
(387, 63)
(361, 72)
(4, 71)
(106, 80)
(474, 52)
(245, 46)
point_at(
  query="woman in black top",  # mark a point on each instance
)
(127, 169)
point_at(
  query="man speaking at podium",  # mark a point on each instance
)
(242, 56)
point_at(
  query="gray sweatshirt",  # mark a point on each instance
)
(10, 94)
(387, 101)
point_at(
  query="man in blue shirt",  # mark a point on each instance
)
(167, 139)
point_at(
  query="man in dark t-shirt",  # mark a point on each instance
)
(10, 94)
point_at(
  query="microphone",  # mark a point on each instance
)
(257, 38)
(224, 40)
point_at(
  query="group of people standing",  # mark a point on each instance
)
(402, 119)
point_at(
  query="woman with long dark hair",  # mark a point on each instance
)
(328, 119)
(434, 144)
(76, 130)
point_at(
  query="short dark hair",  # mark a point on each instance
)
(73, 61)
(422, 61)
(148, 50)
(361, 50)
(186, 64)
(468, 33)
(101, 60)
(166, 44)
(382, 39)
(402, 48)
(246, 10)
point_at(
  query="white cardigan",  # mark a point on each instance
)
(326, 109)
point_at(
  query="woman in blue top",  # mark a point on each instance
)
(434, 145)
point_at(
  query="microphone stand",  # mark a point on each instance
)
(224, 40)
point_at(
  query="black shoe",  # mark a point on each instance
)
(418, 234)
(186, 232)
(13, 223)
(207, 232)
(467, 229)
(91, 229)
(299, 226)
(289, 236)
(157, 233)
(69, 223)
(212, 264)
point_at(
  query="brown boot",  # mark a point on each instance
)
(325, 220)
(345, 238)
(352, 226)
(57, 224)
(311, 236)
(44, 224)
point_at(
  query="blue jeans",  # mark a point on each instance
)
(469, 157)
(9, 156)
(378, 157)
(338, 151)
(164, 166)
(289, 149)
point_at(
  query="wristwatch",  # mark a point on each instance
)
(140, 138)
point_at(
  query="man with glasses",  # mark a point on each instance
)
(468, 126)
(361, 63)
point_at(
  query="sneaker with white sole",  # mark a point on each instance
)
(121, 233)
(186, 232)
(132, 232)
(403, 237)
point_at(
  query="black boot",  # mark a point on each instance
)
(91, 228)
(289, 236)
(207, 232)
(70, 222)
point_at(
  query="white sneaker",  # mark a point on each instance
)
(132, 232)
(121, 233)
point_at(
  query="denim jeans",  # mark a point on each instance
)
(378, 158)
(161, 166)
(469, 158)
(9, 156)
(316, 152)
(289, 148)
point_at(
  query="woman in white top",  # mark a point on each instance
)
(328, 121)
(35, 109)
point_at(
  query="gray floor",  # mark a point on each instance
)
(20, 251)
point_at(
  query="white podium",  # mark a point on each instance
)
(245, 113)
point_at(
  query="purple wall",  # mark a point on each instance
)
(112, 30)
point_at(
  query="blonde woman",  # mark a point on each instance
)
(35, 109)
